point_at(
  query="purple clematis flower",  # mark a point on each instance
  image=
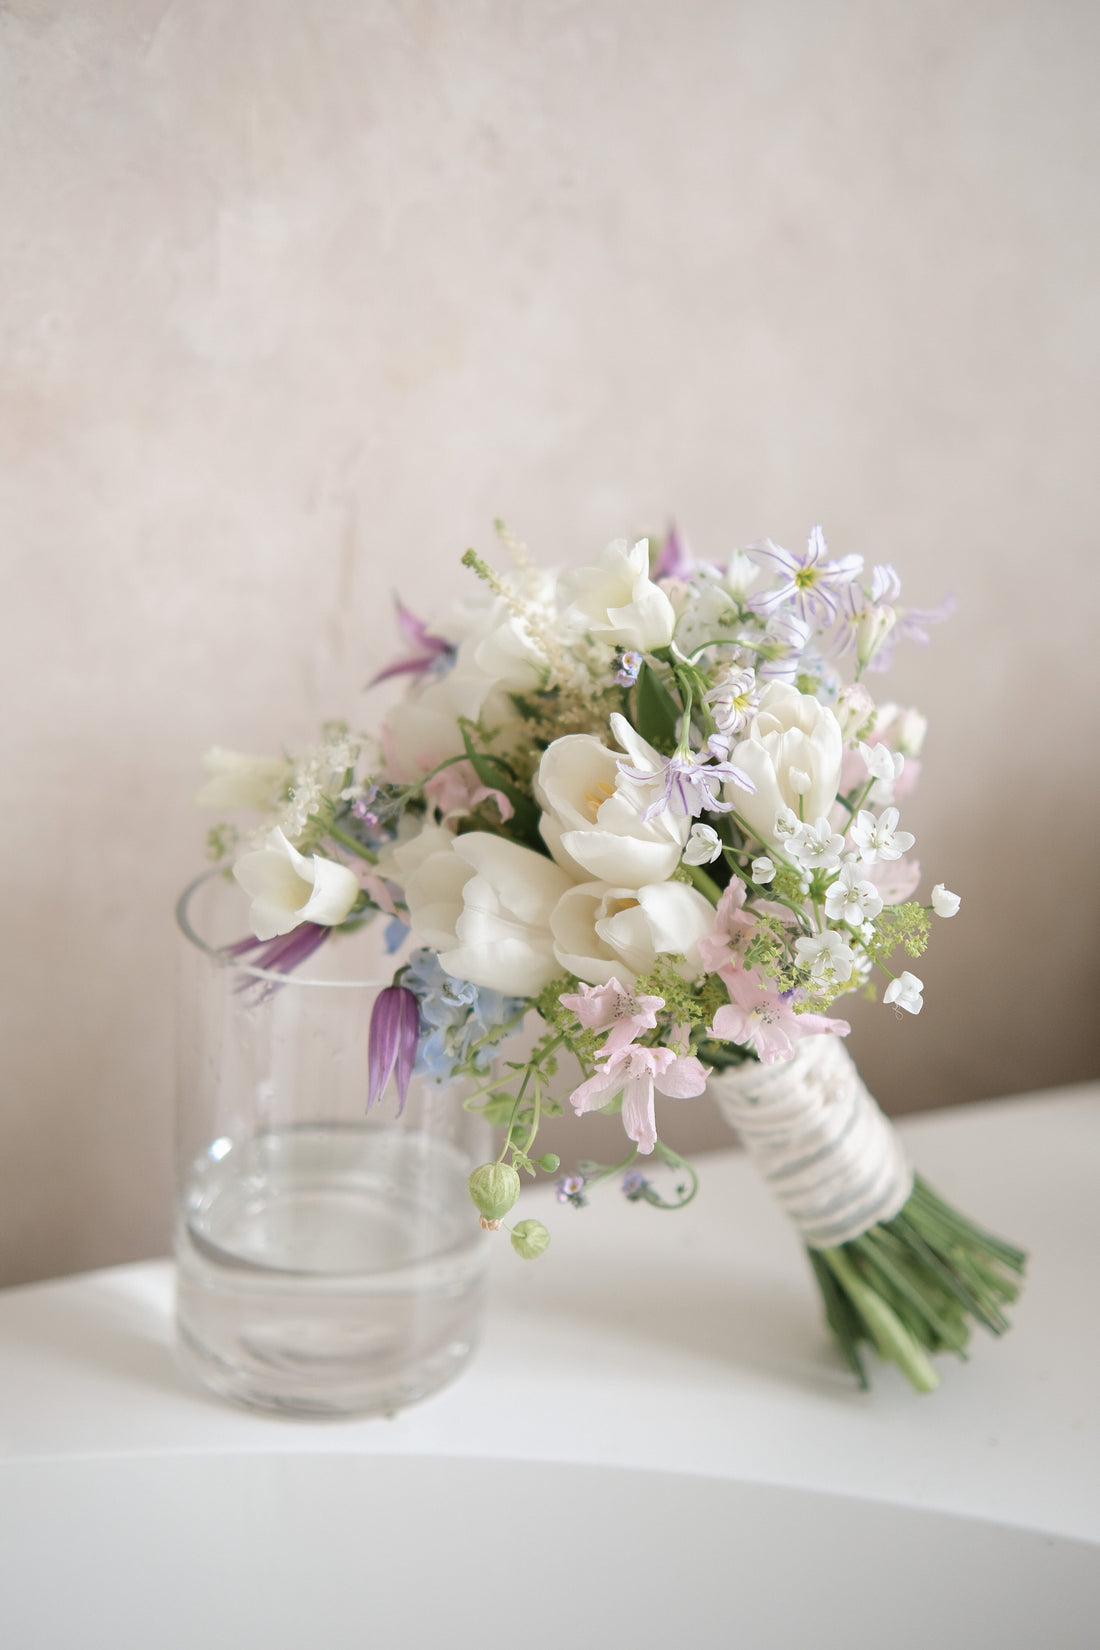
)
(425, 650)
(394, 1029)
(675, 560)
(809, 581)
(281, 955)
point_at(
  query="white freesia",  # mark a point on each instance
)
(484, 904)
(616, 600)
(944, 902)
(905, 991)
(286, 888)
(237, 780)
(592, 815)
(603, 933)
(792, 753)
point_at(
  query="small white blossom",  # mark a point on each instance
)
(882, 762)
(787, 825)
(851, 899)
(800, 781)
(905, 991)
(828, 956)
(703, 845)
(818, 846)
(762, 869)
(879, 838)
(944, 902)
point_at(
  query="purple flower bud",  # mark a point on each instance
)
(394, 1028)
(675, 560)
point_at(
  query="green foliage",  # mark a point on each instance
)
(656, 712)
(905, 925)
(221, 841)
(495, 772)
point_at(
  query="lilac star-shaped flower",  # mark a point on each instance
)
(809, 581)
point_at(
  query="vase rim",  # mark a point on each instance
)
(224, 959)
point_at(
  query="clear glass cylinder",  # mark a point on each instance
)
(330, 1262)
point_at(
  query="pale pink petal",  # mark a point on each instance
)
(685, 1078)
(594, 1093)
(639, 1119)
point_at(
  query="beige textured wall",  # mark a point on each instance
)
(298, 297)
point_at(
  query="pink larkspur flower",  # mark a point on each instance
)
(765, 1021)
(614, 1009)
(457, 790)
(635, 1073)
(734, 926)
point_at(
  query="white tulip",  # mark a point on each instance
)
(592, 816)
(617, 602)
(603, 933)
(286, 888)
(484, 904)
(792, 753)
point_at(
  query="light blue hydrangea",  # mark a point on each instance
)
(454, 1016)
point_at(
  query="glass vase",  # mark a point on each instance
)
(330, 1262)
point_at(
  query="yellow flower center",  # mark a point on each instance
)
(597, 796)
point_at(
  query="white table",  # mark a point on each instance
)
(685, 1344)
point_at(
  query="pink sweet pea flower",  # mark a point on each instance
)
(613, 1008)
(765, 1021)
(635, 1073)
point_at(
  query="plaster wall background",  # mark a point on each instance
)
(298, 298)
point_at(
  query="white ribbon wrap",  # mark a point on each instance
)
(829, 1155)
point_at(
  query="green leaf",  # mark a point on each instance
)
(656, 713)
(492, 772)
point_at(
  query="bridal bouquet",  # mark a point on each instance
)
(652, 808)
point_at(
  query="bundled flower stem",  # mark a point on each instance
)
(652, 804)
(910, 1286)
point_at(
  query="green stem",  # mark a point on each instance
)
(350, 843)
(704, 882)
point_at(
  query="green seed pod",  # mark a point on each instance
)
(549, 1161)
(529, 1238)
(494, 1188)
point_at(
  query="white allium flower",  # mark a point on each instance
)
(828, 956)
(851, 899)
(703, 845)
(818, 846)
(762, 869)
(882, 762)
(905, 991)
(944, 902)
(879, 838)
